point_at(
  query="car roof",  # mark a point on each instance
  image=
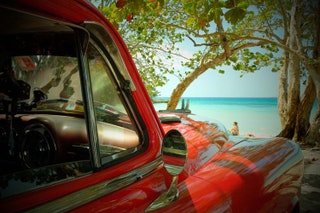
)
(72, 11)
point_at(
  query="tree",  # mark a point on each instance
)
(299, 55)
(289, 95)
(168, 23)
(313, 133)
(205, 25)
(244, 34)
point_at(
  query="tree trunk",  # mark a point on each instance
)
(183, 85)
(294, 74)
(212, 62)
(313, 135)
(293, 98)
(303, 116)
(204, 66)
(283, 91)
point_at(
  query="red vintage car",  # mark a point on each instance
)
(78, 131)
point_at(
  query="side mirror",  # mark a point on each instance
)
(174, 154)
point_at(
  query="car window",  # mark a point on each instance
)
(116, 130)
(43, 133)
(42, 130)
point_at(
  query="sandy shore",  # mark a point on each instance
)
(310, 191)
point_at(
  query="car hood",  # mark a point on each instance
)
(204, 139)
(210, 141)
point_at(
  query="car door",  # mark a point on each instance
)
(88, 118)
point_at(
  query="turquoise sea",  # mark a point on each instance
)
(257, 116)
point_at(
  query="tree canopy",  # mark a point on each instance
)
(243, 34)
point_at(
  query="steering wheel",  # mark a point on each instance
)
(38, 147)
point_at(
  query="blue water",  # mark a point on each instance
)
(257, 116)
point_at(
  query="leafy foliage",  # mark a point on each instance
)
(186, 38)
(243, 34)
(154, 30)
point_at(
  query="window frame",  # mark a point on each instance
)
(81, 37)
(99, 35)
(102, 40)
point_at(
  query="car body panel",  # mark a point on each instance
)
(222, 173)
(241, 179)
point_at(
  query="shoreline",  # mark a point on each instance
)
(255, 116)
(160, 101)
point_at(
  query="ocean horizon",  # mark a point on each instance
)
(255, 115)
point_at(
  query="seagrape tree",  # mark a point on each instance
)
(300, 62)
(243, 34)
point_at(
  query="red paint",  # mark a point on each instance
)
(220, 174)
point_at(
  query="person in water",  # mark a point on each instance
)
(235, 129)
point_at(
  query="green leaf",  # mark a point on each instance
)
(243, 5)
(233, 59)
(215, 14)
(190, 22)
(221, 71)
(235, 15)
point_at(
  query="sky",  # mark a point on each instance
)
(262, 83)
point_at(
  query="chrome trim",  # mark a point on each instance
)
(103, 35)
(167, 198)
(90, 118)
(81, 197)
(104, 42)
(174, 155)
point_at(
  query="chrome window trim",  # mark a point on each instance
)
(90, 118)
(131, 112)
(103, 35)
(81, 197)
(101, 39)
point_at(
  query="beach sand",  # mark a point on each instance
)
(310, 191)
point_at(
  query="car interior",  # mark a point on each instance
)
(42, 119)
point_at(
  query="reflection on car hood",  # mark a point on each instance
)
(204, 139)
